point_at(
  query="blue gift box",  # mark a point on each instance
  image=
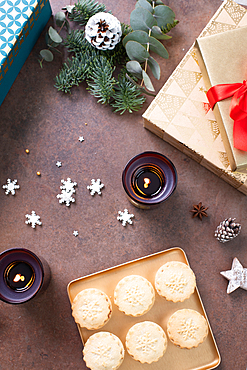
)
(21, 22)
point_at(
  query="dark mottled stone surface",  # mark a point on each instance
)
(42, 335)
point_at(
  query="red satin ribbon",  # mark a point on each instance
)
(238, 109)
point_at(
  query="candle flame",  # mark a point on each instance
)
(147, 182)
(18, 277)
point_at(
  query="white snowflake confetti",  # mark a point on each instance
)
(11, 187)
(66, 197)
(68, 185)
(67, 191)
(59, 164)
(237, 276)
(75, 233)
(125, 217)
(81, 139)
(33, 219)
(95, 187)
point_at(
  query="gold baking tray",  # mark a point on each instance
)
(205, 356)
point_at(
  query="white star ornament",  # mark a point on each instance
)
(237, 276)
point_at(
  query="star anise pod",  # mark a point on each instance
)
(199, 211)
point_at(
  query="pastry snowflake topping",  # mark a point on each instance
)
(59, 164)
(11, 186)
(91, 309)
(134, 296)
(188, 329)
(33, 220)
(237, 276)
(75, 233)
(125, 217)
(95, 187)
(81, 139)
(176, 283)
(145, 343)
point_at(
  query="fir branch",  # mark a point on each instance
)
(169, 26)
(72, 73)
(84, 10)
(75, 41)
(101, 82)
(127, 97)
(125, 29)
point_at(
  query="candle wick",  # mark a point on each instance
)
(147, 181)
(18, 277)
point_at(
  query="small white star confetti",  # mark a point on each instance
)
(33, 220)
(125, 217)
(11, 187)
(237, 276)
(75, 233)
(81, 139)
(59, 164)
(95, 187)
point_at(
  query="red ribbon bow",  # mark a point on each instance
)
(238, 109)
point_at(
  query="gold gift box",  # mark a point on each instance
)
(180, 113)
(222, 60)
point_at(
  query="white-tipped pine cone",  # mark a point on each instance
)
(227, 230)
(103, 31)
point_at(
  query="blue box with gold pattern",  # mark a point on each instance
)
(21, 22)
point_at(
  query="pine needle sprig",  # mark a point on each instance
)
(76, 42)
(169, 26)
(101, 81)
(126, 29)
(72, 73)
(127, 96)
(84, 10)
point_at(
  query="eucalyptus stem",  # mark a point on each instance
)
(149, 34)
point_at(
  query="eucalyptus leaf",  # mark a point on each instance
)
(138, 36)
(49, 41)
(135, 68)
(46, 55)
(163, 15)
(136, 51)
(60, 18)
(55, 37)
(142, 19)
(157, 47)
(144, 4)
(158, 34)
(67, 25)
(140, 87)
(147, 81)
(154, 66)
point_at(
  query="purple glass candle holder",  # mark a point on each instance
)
(149, 179)
(22, 275)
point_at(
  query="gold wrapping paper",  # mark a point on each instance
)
(223, 60)
(180, 113)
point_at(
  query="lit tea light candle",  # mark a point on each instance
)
(149, 179)
(22, 275)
